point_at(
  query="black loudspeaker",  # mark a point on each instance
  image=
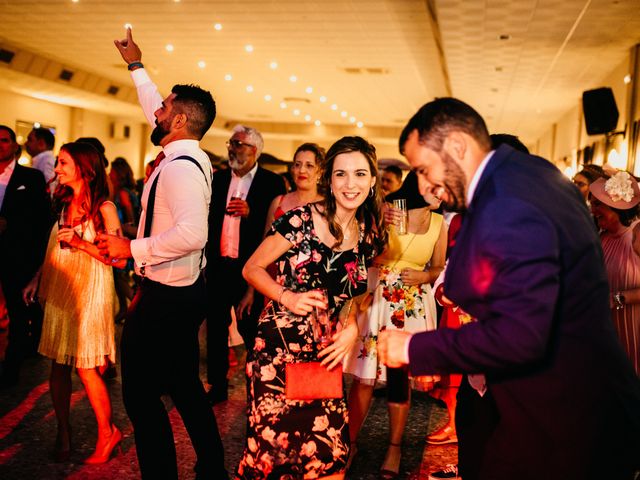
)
(600, 111)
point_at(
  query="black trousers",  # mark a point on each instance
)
(476, 418)
(160, 355)
(225, 289)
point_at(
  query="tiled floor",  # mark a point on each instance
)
(27, 433)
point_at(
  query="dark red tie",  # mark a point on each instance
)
(155, 164)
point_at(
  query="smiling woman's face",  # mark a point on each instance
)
(351, 180)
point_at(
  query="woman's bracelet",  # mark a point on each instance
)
(135, 65)
(282, 290)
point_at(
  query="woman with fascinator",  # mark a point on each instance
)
(615, 206)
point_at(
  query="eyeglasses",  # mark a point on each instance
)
(237, 144)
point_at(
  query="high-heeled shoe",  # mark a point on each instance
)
(387, 473)
(103, 452)
(444, 436)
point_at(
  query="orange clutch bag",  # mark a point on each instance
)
(312, 381)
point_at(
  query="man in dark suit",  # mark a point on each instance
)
(24, 224)
(528, 265)
(241, 198)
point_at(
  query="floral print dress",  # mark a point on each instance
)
(290, 439)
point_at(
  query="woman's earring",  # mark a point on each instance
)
(371, 192)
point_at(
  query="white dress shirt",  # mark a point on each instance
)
(45, 162)
(5, 177)
(172, 253)
(230, 237)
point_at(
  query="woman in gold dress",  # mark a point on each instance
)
(78, 292)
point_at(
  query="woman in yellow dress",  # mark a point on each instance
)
(79, 296)
(401, 299)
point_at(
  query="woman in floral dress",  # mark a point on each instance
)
(329, 245)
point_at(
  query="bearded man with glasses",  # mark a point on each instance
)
(241, 198)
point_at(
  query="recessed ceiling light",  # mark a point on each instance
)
(273, 65)
(128, 25)
(75, 1)
(343, 114)
(293, 78)
(309, 89)
(323, 99)
(228, 77)
(169, 47)
(202, 64)
(36, 125)
(217, 26)
(352, 119)
(283, 105)
(627, 79)
(267, 97)
(334, 107)
(249, 88)
(307, 118)
(360, 124)
(317, 123)
(248, 48)
(296, 112)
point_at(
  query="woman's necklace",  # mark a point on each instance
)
(346, 230)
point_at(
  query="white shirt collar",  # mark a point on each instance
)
(476, 177)
(180, 145)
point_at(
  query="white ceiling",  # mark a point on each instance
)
(378, 60)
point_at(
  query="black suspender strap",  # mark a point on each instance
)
(151, 201)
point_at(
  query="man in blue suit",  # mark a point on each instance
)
(528, 266)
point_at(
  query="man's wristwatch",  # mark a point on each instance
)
(619, 300)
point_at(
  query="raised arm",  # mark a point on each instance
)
(148, 95)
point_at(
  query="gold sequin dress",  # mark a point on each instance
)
(79, 296)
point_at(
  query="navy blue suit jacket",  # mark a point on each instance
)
(528, 265)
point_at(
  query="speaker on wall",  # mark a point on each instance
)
(600, 110)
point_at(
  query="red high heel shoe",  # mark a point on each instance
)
(103, 453)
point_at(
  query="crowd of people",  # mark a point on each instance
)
(534, 348)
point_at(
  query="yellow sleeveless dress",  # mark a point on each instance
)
(79, 296)
(395, 306)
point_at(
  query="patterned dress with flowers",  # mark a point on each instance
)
(289, 439)
(395, 305)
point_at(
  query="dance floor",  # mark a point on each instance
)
(28, 426)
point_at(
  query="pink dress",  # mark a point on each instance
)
(623, 270)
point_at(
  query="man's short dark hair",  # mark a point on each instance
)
(198, 105)
(395, 171)
(9, 130)
(436, 119)
(45, 135)
(514, 142)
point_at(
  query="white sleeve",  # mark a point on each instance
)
(148, 95)
(187, 188)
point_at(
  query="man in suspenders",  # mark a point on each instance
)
(160, 337)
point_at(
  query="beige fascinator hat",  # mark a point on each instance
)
(621, 191)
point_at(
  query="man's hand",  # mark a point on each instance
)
(238, 208)
(128, 48)
(245, 304)
(392, 347)
(113, 247)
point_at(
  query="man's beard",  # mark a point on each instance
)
(454, 184)
(159, 133)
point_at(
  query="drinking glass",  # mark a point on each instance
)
(321, 323)
(398, 384)
(64, 222)
(237, 195)
(400, 204)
